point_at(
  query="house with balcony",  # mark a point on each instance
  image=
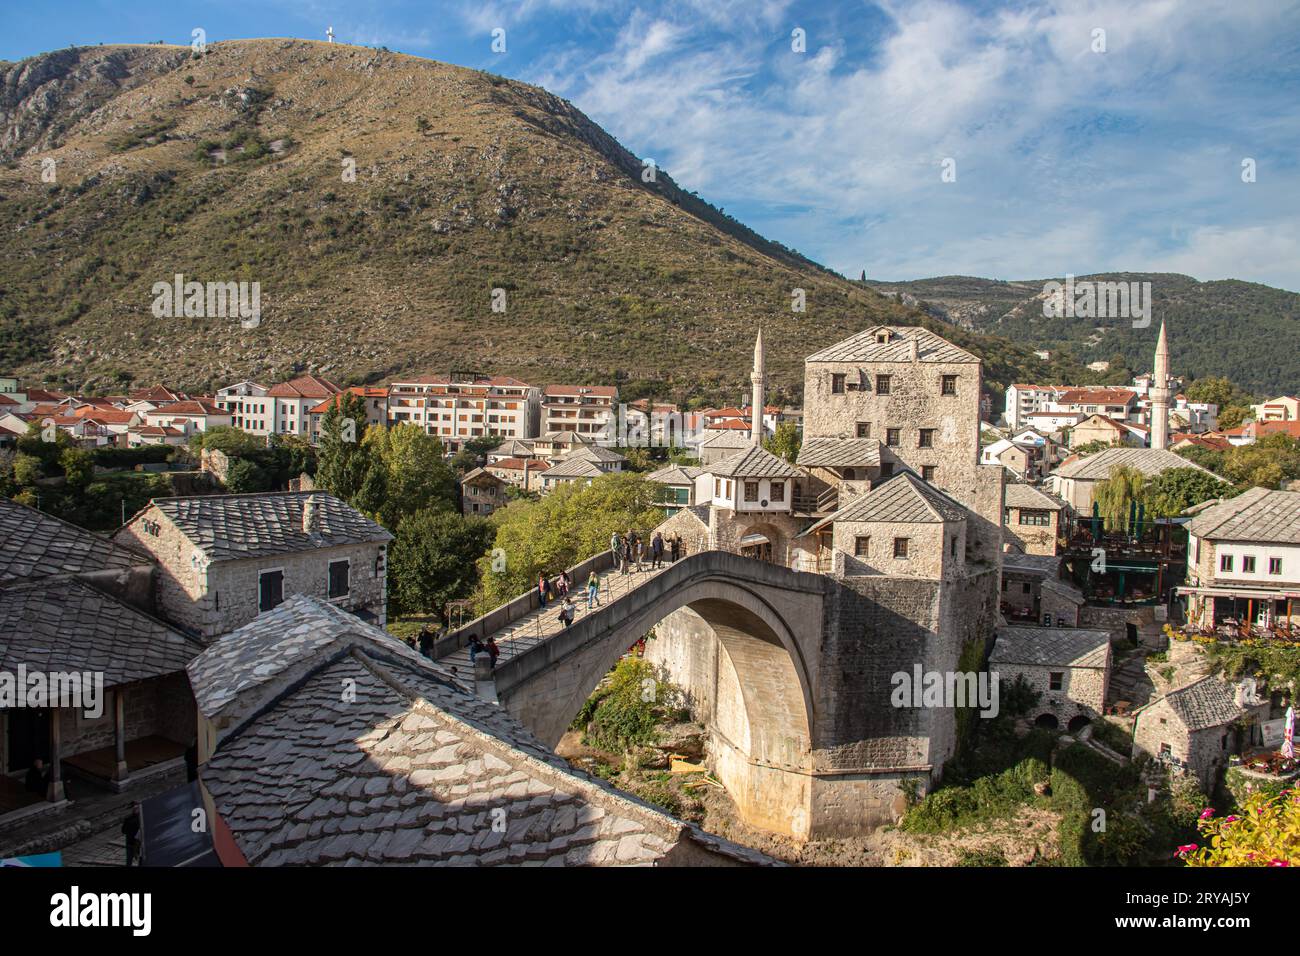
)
(461, 406)
(588, 410)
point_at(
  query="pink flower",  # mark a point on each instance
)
(1277, 862)
(1186, 849)
(1207, 813)
(1227, 820)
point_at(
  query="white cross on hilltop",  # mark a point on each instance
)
(329, 34)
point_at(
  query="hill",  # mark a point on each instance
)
(1243, 330)
(231, 165)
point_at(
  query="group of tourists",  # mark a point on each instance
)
(630, 552)
(477, 647)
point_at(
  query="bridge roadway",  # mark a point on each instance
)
(539, 626)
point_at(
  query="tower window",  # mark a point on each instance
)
(837, 383)
(900, 548)
(882, 384)
(864, 429)
(925, 438)
(948, 385)
(893, 436)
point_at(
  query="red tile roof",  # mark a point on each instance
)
(604, 391)
(193, 406)
(304, 386)
(1278, 428)
(364, 391)
(1096, 396)
(517, 464)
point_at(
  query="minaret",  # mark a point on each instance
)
(1159, 403)
(757, 379)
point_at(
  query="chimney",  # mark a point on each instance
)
(913, 352)
(311, 509)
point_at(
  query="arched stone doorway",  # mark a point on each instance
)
(764, 541)
(1047, 721)
(1077, 723)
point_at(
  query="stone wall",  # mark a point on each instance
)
(1082, 693)
(914, 402)
(1031, 539)
(217, 598)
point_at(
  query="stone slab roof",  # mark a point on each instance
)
(596, 453)
(67, 625)
(1018, 495)
(412, 768)
(1255, 515)
(1044, 564)
(864, 347)
(754, 462)
(1149, 461)
(1204, 703)
(1064, 588)
(840, 453)
(1051, 646)
(715, 440)
(676, 475)
(574, 467)
(231, 527)
(904, 498)
(35, 545)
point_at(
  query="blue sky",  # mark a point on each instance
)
(1067, 159)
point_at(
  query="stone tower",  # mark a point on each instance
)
(758, 380)
(1160, 393)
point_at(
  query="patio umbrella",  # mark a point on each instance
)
(1096, 522)
(1288, 736)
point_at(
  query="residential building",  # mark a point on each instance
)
(679, 486)
(523, 473)
(1022, 400)
(513, 448)
(1284, 408)
(72, 602)
(1194, 729)
(201, 413)
(481, 493)
(250, 408)
(1117, 403)
(589, 410)
(1112, 431)
(294, 401)
(1244, 560)
(461, 406)
(223, 559)
(1032, 519)
(374, 397)
(584, 470)
(1077, 478)
(713, 446)
(1069, 667)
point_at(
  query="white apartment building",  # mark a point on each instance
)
(460, 406)
(1022, 400)
(249, 407)
(294, 401)
(589, 410)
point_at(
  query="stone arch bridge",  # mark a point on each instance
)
(748, 642)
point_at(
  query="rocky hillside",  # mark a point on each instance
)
(235, 165)
(1243, 330)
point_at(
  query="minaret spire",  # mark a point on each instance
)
(1160, 393)
(757, 379)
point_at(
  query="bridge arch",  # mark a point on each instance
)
(765, 626)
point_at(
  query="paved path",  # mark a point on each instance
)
(541, 625)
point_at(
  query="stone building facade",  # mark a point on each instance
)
(223, 559)
(1193, 729)
(1068, 667)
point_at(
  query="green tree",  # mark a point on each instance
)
(1174, 491)
(232, 441)
(1114, 495)
(27, 469)
(568, 525)
(1264, 464)
(78, 468)
(1230, 416)
(785, 442)
(343, 460)
(415, 474)
(433, 560)
(245, 476)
